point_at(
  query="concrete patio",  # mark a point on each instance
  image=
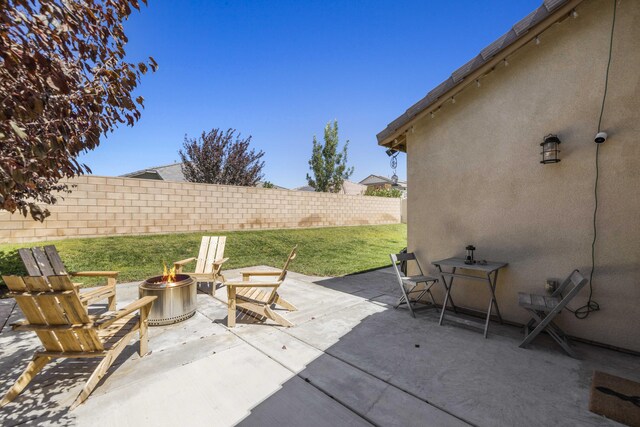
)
(351, 359)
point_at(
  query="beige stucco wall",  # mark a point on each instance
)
(477, 167)
(104, 206)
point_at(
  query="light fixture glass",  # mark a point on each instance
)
(550, 149)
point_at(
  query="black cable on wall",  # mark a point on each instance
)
(591, 305)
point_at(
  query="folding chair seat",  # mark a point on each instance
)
(412, 292)
(544, 308)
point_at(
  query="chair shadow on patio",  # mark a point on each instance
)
(42, 400)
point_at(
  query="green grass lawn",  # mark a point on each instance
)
(332, 251)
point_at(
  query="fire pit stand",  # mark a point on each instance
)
(176, 300)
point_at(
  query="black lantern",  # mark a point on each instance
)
(550, 149)
(469, 259)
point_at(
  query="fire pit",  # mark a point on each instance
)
(176, 298)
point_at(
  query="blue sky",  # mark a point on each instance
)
(280, 70)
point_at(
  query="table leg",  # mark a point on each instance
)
(486, 322)
(453, 305)
(493, 301)
(447, 295)
(493, 293)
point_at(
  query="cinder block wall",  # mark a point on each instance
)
(107, 206)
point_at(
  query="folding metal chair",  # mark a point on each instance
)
(409, 285)
(544, 309)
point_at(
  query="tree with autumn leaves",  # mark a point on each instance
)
(64, 84)
(221, 157)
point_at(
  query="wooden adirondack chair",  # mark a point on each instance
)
(258, 298)
(55, 313)
(47, 262)
(209, 261)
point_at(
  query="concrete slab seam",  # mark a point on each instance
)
(4, 323)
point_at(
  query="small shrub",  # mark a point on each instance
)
(383, 192)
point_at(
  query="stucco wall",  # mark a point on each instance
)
(104, 206)
(477, 165)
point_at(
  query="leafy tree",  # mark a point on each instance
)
(383, 192)
(221, 158)
(329, 166)
(268, 184)
(63, 84)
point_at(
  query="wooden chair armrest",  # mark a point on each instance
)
(220, 261)
(108, 318)
(247, 274)
(183, 262)
(252, 284)
(113, 274)
(23, 325)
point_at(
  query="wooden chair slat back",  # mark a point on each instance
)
(70, 302)
(202, 254)
(53, 301)
(222, 241)
(292, 256)
(211, 254)
(28, 306)
(31, 311)
(55, 260)
(43, 262)
(36, 284)
(29, 262)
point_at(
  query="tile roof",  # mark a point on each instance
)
(518, 30)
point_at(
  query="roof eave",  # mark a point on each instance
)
(394, 135)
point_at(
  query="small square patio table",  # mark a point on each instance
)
(488, 272)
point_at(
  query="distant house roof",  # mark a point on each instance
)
(172, 172)
(527, 29)
(378, 179)
(304, 188)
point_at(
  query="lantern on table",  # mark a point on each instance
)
(469, 259)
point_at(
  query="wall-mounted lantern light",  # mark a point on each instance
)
(550, 149)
